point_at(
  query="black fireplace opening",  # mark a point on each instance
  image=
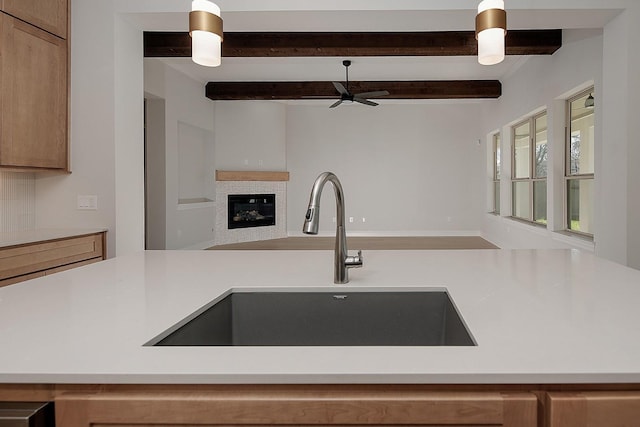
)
(251, 210)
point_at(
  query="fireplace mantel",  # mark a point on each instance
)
(251, 176)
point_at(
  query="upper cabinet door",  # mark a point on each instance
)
(33, 97)
(50, 15)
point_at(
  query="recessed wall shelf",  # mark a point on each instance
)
(195, 203)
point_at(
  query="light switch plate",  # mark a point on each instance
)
(87, 202)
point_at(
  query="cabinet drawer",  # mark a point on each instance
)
(30, 258)
(593, 409)
(307, 408)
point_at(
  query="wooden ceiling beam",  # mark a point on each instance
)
(350, 44)
(423, 89)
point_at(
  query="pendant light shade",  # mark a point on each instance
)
(205, 28)
(491, 27)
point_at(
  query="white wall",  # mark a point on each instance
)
(155, 170)
(633, 147)
(106, 93)
(195, 161)
(189, 121)
(612, 63)
(541, 83)
(92, 128)
(250, 135)
(618, 192)
(407, 169)
(128, 137)
(396, 162)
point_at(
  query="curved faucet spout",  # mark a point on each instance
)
(312, 217)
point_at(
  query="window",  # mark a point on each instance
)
(529, 169)
(496, 173)
(579, 168)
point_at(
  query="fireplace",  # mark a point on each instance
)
(251, 210)
(254, 185)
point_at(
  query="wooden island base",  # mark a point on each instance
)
(611, 405)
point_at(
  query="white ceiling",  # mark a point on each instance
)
(579, 19)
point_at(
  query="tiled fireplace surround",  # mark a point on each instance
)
(247, 182)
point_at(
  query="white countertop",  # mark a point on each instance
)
(12, 238)
(546, 316)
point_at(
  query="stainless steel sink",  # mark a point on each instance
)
(323, 318)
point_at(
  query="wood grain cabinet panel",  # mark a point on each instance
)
(50, 15)
(22, 278)
(33, 97)
(307, 408)
(593, 409)
(22, 262)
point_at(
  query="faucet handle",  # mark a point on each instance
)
(354, 261)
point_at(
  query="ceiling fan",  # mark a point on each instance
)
(348, 97)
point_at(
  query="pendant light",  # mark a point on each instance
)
(589, 102)
(205, 28)
(491, 27)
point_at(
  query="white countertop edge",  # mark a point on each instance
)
(337, 378)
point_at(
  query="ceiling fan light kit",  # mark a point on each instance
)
(491, 28)
(205, 28)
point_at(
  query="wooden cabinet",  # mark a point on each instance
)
(33, 97)
(28, 261)
(309, 406)
(50, 15)
(523, 405)
(593, 409)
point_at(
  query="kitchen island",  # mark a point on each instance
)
(550, 325)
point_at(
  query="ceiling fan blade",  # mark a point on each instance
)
(371, 94)
(340, 88)
(365, 102)
(335, 104)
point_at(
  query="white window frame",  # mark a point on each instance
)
(497, 152)
(532, 178)
(568, 176)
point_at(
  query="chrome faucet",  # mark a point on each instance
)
(342, 259)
